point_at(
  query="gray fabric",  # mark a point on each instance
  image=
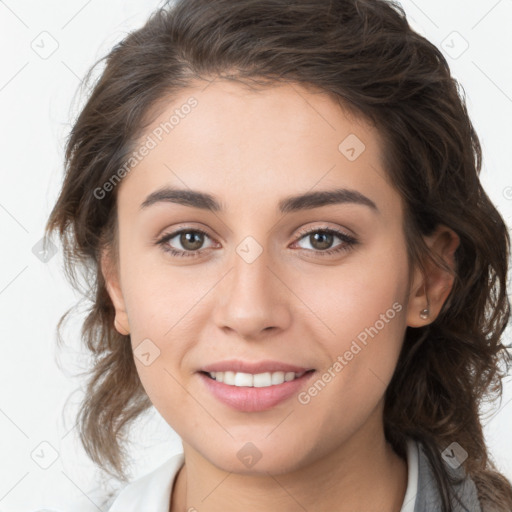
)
(428, 498)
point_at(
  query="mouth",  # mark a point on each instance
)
(258, 380)
(247, 392)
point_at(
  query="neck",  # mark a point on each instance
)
(364, 473)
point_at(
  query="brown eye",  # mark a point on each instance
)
(191, 240)
(321, 241)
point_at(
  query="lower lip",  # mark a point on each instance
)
(251, 399)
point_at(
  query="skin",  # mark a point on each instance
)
(290, 304)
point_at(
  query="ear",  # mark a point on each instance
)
(430, 290)
(112, 283)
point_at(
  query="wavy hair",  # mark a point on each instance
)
(365, 56)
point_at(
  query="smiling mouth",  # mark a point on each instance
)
(259, 380)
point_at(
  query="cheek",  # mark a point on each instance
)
(363, 307)
(159, 297)
(163, 304)
(353, 297)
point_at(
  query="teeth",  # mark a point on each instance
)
(259, 380)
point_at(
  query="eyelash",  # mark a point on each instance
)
(348, 242)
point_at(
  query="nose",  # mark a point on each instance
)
(252, 299)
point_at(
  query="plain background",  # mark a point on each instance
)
(47, 47)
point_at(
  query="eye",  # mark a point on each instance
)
(321, 240)
(190, 239)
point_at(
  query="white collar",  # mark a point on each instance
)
(412, 476)
(152, 491)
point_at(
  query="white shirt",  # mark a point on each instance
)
(153, 491)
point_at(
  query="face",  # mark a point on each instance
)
(315, 284)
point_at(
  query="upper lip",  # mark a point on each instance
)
(237, 365)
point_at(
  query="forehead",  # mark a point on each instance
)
(241, 143)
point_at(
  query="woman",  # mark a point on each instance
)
(291, 257)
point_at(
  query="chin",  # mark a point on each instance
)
(255, 459)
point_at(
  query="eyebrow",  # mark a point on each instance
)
(296, 203)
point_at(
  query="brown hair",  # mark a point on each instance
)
(363, 54)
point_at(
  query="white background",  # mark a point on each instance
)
(36, 105)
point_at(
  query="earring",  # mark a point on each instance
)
(425, 312)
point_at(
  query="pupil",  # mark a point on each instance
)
(324, 244)
(190, 235)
